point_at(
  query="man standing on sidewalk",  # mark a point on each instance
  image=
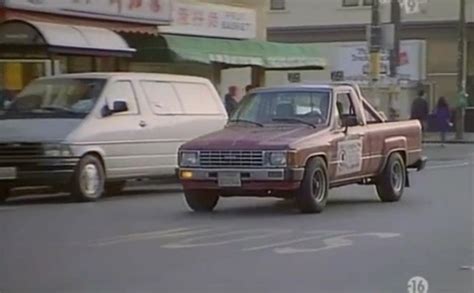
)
(230, 100)
(419, 109)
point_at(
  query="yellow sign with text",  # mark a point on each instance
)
(13, 74)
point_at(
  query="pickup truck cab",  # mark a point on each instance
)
(297, 142)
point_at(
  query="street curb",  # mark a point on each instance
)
(449, 142)
(152, 182)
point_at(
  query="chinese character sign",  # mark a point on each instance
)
(213, 20)
(140, 11)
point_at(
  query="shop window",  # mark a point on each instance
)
(196, 98)
(106, 64)
(161, 97)
(368, 2)
(79, 64)
(350, 3)
(123, 90)
(277, 5)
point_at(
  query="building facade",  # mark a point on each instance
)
(340, 25)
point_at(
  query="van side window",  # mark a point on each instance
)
(123, 90)
(197, 98)
(161, 97)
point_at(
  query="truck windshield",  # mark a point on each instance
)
(287, 107)
(58, 97)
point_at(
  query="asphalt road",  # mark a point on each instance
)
(146, 240)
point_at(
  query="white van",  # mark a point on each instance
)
(89, 133)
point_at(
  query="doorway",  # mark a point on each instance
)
(16, 74)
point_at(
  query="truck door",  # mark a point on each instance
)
(350, 148)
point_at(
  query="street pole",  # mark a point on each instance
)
(375, 44)
(395, 16)
(461, 78)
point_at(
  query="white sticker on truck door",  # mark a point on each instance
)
(349, 156)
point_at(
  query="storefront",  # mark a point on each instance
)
(41, 38)
(207, 39)
(33, 49)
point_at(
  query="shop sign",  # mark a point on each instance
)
(213, 21)
(352, 59)
(136, 11)
(294, 77)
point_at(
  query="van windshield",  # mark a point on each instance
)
(284, 107)
(56, 98)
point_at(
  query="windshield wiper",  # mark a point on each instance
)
(57, 109)
(294, 120)
(247, 121)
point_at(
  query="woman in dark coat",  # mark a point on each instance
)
(443, 118)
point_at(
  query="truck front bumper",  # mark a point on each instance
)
(255, 182)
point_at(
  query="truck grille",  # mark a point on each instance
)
(231, 158)
(20, 150)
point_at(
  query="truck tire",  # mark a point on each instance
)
(4, 194)
(391, 183)
(88, 179)
(114, 188)
(313, 193)
(201, 201)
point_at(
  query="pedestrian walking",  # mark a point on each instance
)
(230, 100)
(443, 118)
(420, 110)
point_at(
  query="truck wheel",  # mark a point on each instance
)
(4, 194)
(201, 201)
(89, 179)
(113, 188)
(391, 183)
(313, 194)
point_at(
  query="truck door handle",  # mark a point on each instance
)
(142, 123)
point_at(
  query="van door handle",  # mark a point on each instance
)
(142, 123)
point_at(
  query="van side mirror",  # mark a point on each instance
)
(117, 107)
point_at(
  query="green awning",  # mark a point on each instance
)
(234, 52)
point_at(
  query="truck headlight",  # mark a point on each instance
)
(189, 159)
(57, 150)
(278, 159)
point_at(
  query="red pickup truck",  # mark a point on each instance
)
(298, 142)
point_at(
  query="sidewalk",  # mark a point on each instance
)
(434, 137)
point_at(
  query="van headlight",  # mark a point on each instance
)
(57, 150)
(278, 159)
(189, 159)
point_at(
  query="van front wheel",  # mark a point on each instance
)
(89, 179)
(201, 201)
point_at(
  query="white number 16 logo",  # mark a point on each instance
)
(418, 285)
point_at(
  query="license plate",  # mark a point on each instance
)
(7, 173)
(229, 179)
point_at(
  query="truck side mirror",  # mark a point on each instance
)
(349, 121)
